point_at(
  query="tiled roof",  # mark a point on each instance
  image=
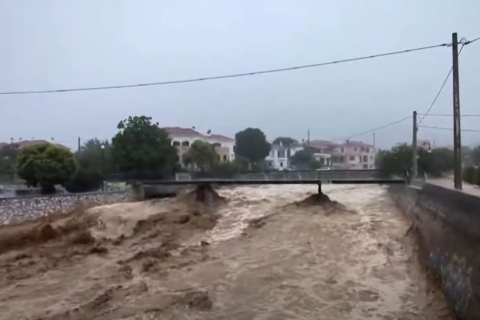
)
(182, 132)
(187, 132)
(356, 144)
(219, 137)
(323, 144)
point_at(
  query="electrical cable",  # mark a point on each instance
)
(375, 129)
(444, 128)
(448, 115)
(441, 88)
(227, 76)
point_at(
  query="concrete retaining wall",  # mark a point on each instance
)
(448, 225)
(18, 209)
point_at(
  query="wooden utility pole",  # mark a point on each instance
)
(414, 147)
(78, 144)
(457, 138)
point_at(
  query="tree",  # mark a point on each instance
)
(252, 144)
(95, 155)
(436, 162)
(476, 155)
(46, 165)
(8, 161)
(303, 159)
(142, 147)
(399, 159)
(285, 141)
(202, 154)
(94, 161)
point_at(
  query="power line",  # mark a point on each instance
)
(450, 129)
(228, 76)
(442, 86)
(471, 41)
(376, 129)
(448, 115)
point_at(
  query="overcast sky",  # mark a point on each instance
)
(59, 44)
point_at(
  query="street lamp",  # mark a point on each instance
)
(103, 168)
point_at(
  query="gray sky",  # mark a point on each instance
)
(60, 44)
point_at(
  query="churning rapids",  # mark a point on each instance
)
(258, 254)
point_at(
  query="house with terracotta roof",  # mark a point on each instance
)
(182, 138)
(350, 155)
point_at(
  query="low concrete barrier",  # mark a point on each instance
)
(448, 225)
(17, 209)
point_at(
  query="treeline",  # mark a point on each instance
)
(435, 162)
(472, 175)
(140, 147)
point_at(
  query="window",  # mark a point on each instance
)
(281, 164)
(334, 159)
(371, 166)
(355, 149)
(343, 150)
(367, 150)
(281, 153)
(341, 159)
(371, 157)
(185, 144)
(363, 149)
(352, 158)
(224, 157)
(216, 144)
(176, 143)
(322, 161)
(365, 166)
(365, 158)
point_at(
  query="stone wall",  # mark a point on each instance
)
(22, 208)
(448, 227)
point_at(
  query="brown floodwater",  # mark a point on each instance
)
(264, 258)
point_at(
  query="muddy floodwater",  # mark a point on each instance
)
(257, 255)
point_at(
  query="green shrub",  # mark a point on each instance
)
(84, 181)
(470, 174)
(477, 176)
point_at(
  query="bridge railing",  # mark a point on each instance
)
(304, 175)
(312, 175)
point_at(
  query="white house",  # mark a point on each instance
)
(279, 156)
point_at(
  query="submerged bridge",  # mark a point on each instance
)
(283, 177)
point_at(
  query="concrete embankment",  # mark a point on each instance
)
(448, 227)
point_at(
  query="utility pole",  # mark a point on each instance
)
(374, 142)
(308, 137)
(457, 139)
(414, 147)
(103, 166)
(78, 144)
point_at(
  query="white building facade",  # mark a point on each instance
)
(182, 139)
(279, 156)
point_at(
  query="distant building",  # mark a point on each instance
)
(351, 155)
(324, 159)
(279, 156)
(182, 139)
(424, 144)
